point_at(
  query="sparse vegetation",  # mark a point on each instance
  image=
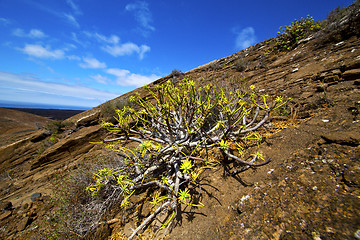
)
(290, 35)
(107, 109)
(177, 74)
(77, 214)
(177, 133)
(240, 65)
(54, 127)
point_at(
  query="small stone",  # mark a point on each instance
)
(339, 43)
(5, 215)
(330, 230)
(351, 74)
(22, 224)
(35, 196)
(6, 205)
(357, 234)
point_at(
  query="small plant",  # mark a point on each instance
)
(54, 127)
(289, 35)
(177, 74)
(240, 65)
(176, 131)
(107, 109)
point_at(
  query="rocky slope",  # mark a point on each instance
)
(311, 189)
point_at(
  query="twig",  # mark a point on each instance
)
(148, 219)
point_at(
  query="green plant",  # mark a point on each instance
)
(289, 35)
(76, 214)
(176, 130)
(54, 127)
(240, 65)
(108, 109)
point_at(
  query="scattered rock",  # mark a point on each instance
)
(5, 215)
(6, 205)
(23, 223)
(88, 120)
(357, 234)
(351, 74)
(344, 138)
(35, 196)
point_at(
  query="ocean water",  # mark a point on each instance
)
(7, 104)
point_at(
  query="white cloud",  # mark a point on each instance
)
(92, 63)
(27, 88)
(33, 33)
(126, 78)
(73, 57)
(113, 39)
(126, 49)
(71, 19)
(245, 38)
(42, 52)
(100, 79)
(73, 6)
(113, 46)
(142, 15)
(4, 21)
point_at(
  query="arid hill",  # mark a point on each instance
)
(14, 125)
(310, 189)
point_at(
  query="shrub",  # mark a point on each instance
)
(108, 109)
(177, 74)
(240, 65)
(77, 214)
(54, 127)
(289, 35)
(176, 133)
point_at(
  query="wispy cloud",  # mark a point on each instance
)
(68, 17)
(4, 21)
(113, 39)
(244, 37)
(42, 52)
(126, 49)
(29, 88)
(100, 79)
(92, 63)
(74, 7)
(33, 33)
(142, 15)
(126, 78)
(71, 19)
(113, 46)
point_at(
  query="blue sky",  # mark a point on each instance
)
(85, 52)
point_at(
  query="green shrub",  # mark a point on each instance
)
(76, 214)
(54, 127)
(176, 133)
(289, 35)
(177, 74)
(108, 109)
(240, 65)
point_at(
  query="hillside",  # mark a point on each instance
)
(15, 124)
(310, 189)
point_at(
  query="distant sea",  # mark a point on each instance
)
(8, 104)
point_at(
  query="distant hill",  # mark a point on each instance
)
(55, 114)
(14, 124)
